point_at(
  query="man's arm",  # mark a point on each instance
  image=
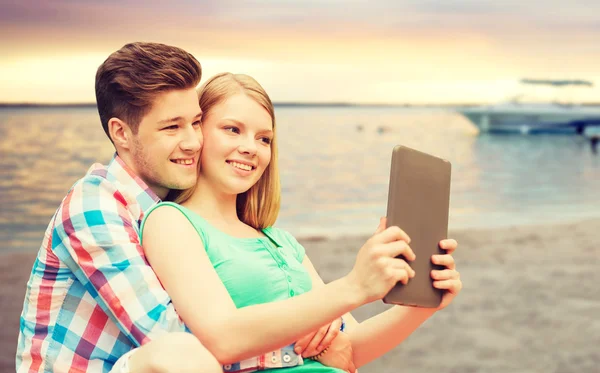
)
(96, 236)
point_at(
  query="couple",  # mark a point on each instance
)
(215, 287)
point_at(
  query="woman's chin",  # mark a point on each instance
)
(238, 189)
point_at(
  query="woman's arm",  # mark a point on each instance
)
(176, 253)
(379, 334)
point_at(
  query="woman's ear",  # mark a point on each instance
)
(120, 133)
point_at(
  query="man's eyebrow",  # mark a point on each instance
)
(178, 119)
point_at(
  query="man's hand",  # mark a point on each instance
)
(315, 342)
(340, 354)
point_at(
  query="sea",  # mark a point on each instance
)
(334, 164)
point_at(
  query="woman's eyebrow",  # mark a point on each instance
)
(242, 124)
(235, 121)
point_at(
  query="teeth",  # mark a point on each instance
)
(184, 161)
(241, 166)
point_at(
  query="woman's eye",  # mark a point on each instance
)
(266, 140)
(197, 123)
(233, 129)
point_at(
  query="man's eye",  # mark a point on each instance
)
(173, 127)
(266, 140)
(197, 123)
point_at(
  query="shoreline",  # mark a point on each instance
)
(452, 232)
(530, 293)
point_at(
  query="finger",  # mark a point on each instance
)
(396, 248)
(444, 260)
(311, 349)
(391, 234)
(445, 274)
(402, 264)
(301, 344)
(454, 286)
(449, 245)
(403, 276)
(351, 367)
(331, 334)
(382, 225)
(399, 275)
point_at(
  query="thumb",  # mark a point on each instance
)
(301, 343)
(382, 225)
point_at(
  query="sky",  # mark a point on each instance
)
(355, 51)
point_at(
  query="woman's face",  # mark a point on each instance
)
(237, 144)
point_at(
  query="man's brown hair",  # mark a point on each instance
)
(130, 79)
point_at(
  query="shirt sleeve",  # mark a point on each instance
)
(97, 237)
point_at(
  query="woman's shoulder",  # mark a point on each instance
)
(165, 211)
(168, 214)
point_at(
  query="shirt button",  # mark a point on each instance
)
(274, 359)
(286, 358)
(284, 266)
(227, 367)
(292, 293)
(289, 278)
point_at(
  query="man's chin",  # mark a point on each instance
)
(182, 183)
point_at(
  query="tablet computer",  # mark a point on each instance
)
(418, 203)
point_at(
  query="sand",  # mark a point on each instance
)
(530, 303)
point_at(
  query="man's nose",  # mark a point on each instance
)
(192, 140)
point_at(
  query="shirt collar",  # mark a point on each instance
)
(118, 172)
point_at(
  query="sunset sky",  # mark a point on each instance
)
(392, 51)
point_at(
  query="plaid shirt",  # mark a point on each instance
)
(92, 296)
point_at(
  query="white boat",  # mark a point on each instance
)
(528, 118)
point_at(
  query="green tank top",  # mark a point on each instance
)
(255, 270)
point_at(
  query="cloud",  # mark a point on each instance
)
(354, 17)
(368, 42)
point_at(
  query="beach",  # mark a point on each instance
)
(530, 302)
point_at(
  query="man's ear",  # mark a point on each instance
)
(120, 133)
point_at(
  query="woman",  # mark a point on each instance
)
(244, 287)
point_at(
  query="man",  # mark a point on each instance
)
(92, 299)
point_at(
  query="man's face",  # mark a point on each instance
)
(166, 149)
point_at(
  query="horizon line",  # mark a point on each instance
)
(12, 105)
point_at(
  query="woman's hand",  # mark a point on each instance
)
(315, 342)
(378, 266)
(448, 278)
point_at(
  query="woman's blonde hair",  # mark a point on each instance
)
(259, 205)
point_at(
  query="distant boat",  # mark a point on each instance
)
(530, 118)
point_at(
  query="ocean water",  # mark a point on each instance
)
(334, 164)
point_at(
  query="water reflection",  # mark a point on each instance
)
(334, 165)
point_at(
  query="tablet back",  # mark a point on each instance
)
(418, 203)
